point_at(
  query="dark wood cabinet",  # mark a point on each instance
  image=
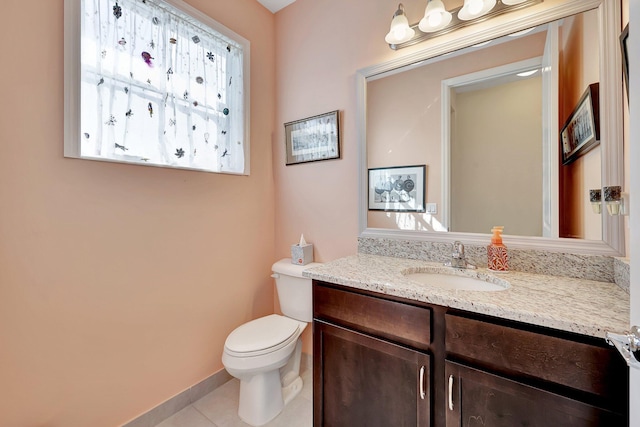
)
(370, 364)
(400, 322)
(478, 398)
(555, 360)
(366, 381)
(380, 360)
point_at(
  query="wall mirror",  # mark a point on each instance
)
(487, 129)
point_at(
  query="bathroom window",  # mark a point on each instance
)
(155, 82)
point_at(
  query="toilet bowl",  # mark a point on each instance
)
(264, 354)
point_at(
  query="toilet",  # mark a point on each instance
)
(264, 354)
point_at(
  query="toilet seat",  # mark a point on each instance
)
(261, 336)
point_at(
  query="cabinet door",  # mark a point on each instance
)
(364, 381)
(477, 398)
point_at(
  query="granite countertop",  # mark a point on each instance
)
(575, 305)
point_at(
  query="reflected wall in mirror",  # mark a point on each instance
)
(486, 119)
(496, 162)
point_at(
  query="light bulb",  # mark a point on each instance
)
(473, 9)
(475, 6)
(399, 33)
(435, 19)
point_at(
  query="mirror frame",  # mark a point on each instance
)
(611, 104)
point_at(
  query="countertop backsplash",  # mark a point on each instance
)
(600, 268)
(622, 271)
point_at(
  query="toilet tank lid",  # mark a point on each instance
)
(284, 266)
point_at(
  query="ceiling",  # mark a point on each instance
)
(275, 5)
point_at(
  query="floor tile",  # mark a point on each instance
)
(307, 388)
(188, 417)
(221, 405)
(220, 409)
(298, 413)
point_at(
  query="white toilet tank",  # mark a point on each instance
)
(294, 291)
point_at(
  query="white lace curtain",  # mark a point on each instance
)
(160, 88)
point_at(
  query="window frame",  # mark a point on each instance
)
(72, 82)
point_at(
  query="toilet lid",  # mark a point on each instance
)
(266, 333)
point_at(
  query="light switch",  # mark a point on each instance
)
(432, 208)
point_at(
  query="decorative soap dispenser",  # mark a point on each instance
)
(497, 257)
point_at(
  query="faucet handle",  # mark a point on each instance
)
(458, 259)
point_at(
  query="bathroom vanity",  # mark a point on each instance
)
(389, 351)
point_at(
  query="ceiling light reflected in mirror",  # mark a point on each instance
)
(527, 73)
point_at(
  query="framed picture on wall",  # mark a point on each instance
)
(581, 131)
(313, 139)
(397, 189)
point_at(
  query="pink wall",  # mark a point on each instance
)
(120, 283)
(319, 46)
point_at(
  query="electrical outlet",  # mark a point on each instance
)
(432, 208)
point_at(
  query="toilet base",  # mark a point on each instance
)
(263, 396)
(290, 375)
(259, 403)
(292, 390)
(260, 398)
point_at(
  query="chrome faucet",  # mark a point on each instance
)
(458, 259)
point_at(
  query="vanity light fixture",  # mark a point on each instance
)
(400, 32)
(473, 9)
(435, 17)
(437, 20)
(615, 200)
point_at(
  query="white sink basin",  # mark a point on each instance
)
(457, 280)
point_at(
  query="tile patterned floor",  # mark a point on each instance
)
(220, 409)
